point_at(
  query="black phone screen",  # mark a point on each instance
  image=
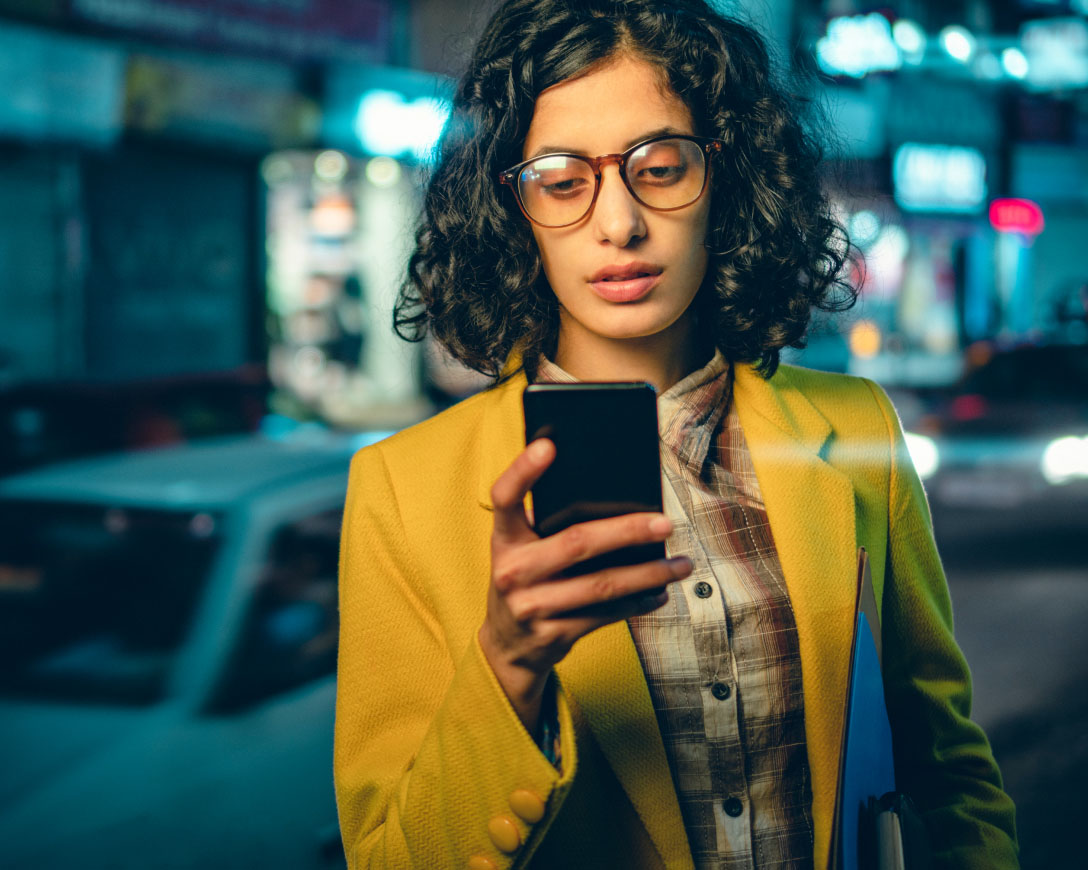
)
(607, 459)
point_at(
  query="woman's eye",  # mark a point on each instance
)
(663, 173)
(564, 187)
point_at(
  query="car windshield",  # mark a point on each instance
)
(94, 600)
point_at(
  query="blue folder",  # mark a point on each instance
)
(866, 768)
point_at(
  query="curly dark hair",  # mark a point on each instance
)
(475, 278)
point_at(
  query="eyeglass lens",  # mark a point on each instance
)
(558, 189)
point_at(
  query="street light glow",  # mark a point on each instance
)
(910, 38)
(958, 42)
(864, 227)
(1015, 63)
(923, 453)
(1065, 459)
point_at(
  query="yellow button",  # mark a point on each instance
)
(503, 832)
(528, 805)
(481, 862)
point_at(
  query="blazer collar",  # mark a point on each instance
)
(780, 402)
(502, 434)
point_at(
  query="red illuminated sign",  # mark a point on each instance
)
(1016, 216)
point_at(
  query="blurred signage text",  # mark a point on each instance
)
(57, 87)
(239, 101)
(319, 29)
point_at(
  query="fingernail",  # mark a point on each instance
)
(680, 565)
(660, 525)
(538, 450)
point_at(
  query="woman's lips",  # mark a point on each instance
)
(625, 289)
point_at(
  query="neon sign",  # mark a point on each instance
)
(939, 178)
(1016, 216)
(858, 44)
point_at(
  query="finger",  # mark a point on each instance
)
(579, 623)
(509, 490)
(577, 594)
(546, 558)
(554, 554)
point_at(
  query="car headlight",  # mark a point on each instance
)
(923, 453)
(1065, 459)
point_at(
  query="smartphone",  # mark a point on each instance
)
(607, 460)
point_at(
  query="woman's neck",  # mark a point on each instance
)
(662, 359)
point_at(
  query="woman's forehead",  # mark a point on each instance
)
(610, 107)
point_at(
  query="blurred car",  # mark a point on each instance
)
(1007, 447)
(168, 625)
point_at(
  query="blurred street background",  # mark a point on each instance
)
(205, 213)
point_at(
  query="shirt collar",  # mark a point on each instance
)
(549, 372)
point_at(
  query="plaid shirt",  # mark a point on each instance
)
(721, 657)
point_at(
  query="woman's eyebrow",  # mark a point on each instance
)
(642, 137)
(667, 130)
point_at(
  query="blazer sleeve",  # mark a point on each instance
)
(942, 759)
(427, 749)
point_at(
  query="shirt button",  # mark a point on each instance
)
(703, 589)
(481, 862)
(733, 807)
(720, 691)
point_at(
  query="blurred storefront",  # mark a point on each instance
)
(340, 225)
(172, 264)
(338, 234)
(958, 153)
(207, 208)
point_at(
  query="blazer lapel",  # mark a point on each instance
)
(811, 509)
(605, 677)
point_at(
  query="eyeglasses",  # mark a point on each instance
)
(664, 173)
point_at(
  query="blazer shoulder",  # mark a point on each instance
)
(831, 389)
(444, 447)
(816, 383)
(853, 405)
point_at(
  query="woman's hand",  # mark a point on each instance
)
(534, 613)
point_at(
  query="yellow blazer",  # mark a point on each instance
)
(428, 749)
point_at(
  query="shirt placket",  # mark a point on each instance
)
(706, 595)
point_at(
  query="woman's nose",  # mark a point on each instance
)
(617, 216)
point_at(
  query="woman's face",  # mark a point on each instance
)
(606, 112)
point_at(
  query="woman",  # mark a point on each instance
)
(491, 713)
